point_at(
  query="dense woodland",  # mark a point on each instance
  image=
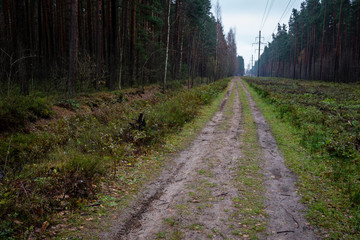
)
(321, 42)
(70, 46)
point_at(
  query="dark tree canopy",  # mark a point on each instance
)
(110, 44)
(321, 42)
(241, 66)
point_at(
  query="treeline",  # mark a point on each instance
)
(81, 45)
(241, 66)
(322, 42)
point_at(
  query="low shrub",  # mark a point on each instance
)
(86, 166)
(183, 107)
(16, 111)
(70, 104)
(177, 111)
(21, 149)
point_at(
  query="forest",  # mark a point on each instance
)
(321, 42)
(106, 106)
(71, 46)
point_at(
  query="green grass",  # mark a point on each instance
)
(16, 111)
(330, 206)
(196, 227)
(170, 221)
(175, 235)
(249, 179)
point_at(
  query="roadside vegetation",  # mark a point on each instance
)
(68, 156)
(319, 134)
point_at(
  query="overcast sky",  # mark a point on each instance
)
(246, 17)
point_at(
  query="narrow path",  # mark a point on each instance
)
(286, 219)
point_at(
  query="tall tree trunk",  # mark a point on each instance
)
(7, 26)
(112, 45)
(21, 41)
(74, 45)
(176, 38)
(301, 51)
(357, 50)
(311, 51)
(39, 31)
(81, 24)
(181, 53)
(99, 43)
(307, 55)
(47, 10)
(314, 54)
(295, 53)
(133, 44)
(357, 45)
(122, 38)
(59, 35)
(322, 43)
(338, 45)
(167, 46)
(89, 26)
(43, 29)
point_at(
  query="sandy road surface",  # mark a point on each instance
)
(193, 197)
(286, 219)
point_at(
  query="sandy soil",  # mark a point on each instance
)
(286, 218)
(192, 198)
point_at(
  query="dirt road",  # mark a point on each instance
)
(195, 197)
(285, 211)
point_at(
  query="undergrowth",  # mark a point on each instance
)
(16, 111)
(64, 166)
(325, 118)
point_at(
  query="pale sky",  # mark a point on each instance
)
(246, 17)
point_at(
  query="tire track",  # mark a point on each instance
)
(194, 193)
(286, 212)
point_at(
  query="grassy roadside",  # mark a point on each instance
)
(148, 167)
(328, 206)
(92, 161)
(177, 142)
(250, 203)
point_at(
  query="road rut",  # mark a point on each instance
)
(193, 197)
(286, 212)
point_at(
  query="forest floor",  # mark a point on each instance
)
(230, 183)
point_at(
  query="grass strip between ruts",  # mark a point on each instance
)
(250, 203)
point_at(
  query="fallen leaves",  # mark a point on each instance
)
(44, 226)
